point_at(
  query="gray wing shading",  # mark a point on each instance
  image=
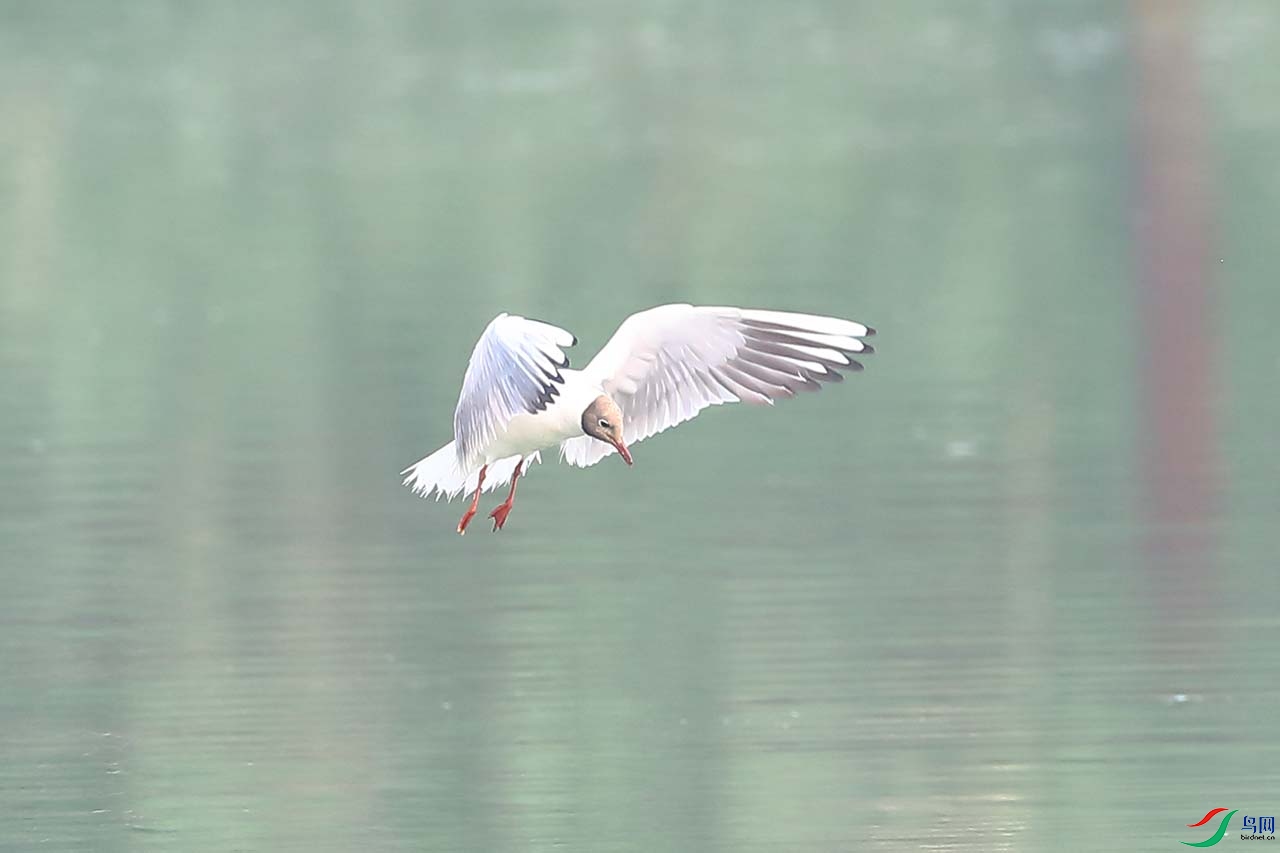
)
(514, 369)
(665, 365)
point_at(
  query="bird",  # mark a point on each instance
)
(661, 368)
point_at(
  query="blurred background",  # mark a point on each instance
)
(1012, 588)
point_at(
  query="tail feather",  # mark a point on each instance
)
(439, 474)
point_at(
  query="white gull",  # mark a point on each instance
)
(661, 368)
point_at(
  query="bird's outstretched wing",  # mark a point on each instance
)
(665, 365)
(515, 368)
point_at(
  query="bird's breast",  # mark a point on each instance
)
(527, 433)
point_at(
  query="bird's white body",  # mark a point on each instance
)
(526, 434)
(659, 369)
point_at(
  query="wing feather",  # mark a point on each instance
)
(665, 365)
(514, 369)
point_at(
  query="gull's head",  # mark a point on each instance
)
(602, 420)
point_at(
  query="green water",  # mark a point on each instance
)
(1012, 588)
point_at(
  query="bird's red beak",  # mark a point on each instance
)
(622, 448)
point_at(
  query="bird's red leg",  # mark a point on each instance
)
(475, 504)
(502, 510)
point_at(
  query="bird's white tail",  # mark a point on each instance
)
(440, 474)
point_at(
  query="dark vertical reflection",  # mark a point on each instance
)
(1176, 308)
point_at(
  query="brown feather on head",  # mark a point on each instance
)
(602, 420)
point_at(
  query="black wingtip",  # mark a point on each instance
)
(870, 332)
(868, 349)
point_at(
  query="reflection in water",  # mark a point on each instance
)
(950, 604)
(1177, 427)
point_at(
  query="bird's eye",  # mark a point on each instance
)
(604, 424)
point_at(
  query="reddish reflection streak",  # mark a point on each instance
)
(1176, 309)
